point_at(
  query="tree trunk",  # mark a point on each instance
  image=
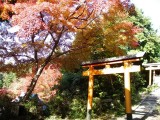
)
(33, 83)
(40, 69)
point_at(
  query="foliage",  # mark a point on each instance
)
(101, 41)
(70, 99)
(32, 109)
(137, 84)
(53, 117)
(5, 105)
(1, 80)
(78, 109)
(72, 96)
(108, 98)
(44, 32)
(149, 89)
(148, 38)
(5, 11)
(8, 79)
(111, 30)
(49, 78)
(36, 107)
(108, 90)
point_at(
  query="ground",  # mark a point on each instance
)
(149, 107)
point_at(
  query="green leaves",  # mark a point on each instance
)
(148, 38)
(8, 79)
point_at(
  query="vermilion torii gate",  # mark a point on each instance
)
(122, 64)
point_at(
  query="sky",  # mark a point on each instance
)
(151, 9)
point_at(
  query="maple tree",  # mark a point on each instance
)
(110, 35)
(45, 31)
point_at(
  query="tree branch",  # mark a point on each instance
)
(35, 52)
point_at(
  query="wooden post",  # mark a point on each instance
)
(150, 77)
(127, 91)
(90, 93)
(154, 74)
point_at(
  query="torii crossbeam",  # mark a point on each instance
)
(124, 64)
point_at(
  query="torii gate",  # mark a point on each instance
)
(125, 66)
(151, 67)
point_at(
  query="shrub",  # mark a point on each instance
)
(5, 104)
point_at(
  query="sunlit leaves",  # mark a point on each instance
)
(43, 30)
(5, 11)
(148, 39)
(111, 35)
(33, 18)
(43, 26)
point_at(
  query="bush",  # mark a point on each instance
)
(5, 104)
(108, 99)
(77, 109)
(36, 107)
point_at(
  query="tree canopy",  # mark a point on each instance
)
(110, 35)
(148, 38)
(41, 32)
(44, 31)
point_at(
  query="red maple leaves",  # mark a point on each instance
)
(48, 79)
